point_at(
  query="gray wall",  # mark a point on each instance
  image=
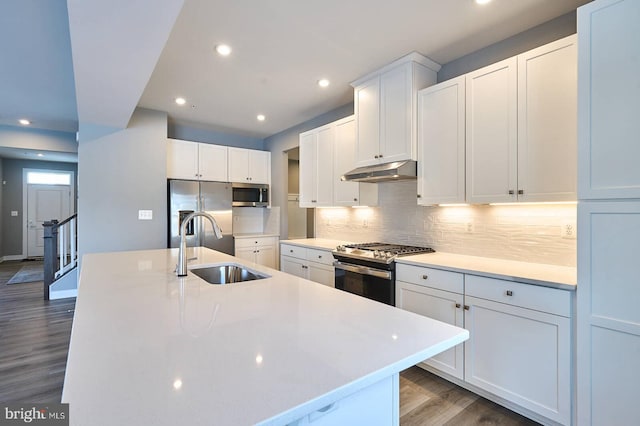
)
(46, 140)
(119, 174)
(191, 132)
(288, 139)
(12, 191)
(547, 32)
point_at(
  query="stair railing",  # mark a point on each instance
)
(60, 249)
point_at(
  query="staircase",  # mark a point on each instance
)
(61, 258)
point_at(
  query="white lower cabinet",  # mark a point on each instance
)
(377, 404)
(312, 264)
(260, 250)
(519, 348)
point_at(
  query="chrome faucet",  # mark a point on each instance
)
(181, 269)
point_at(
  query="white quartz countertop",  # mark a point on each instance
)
(255, 235)
(562, 277)
(319, 243)
(148, 347)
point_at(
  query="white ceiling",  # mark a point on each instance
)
(280, 49)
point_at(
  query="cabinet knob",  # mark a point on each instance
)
(520, 191)
(458, 305)
(290, 251)
(466, 307)
(355, 199)
(509, 293)
(379, 155)
(424, 277)
(511, 192)
(375, 156)
(419, 196)
(319, 256)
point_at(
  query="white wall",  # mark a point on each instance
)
(530, 233)
(118, 174)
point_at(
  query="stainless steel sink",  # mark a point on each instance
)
(226, 274)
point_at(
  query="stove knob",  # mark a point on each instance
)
(389, 254)
(376, 253)
(341, 248)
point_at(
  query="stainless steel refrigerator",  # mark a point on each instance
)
(186, 196)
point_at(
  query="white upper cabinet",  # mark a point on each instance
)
(326, 153)
(249, 166)
(609, 87)
(547, 122)
(491, 132)
(385, 109)
(316, 167)
(441, 143)
(521, 130)
(196, 161)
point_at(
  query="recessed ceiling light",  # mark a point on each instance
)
(40, 154)
(223, 49)
(323, 82)
(24, 122)
(261, 117)
(181, 101)
(482, 1)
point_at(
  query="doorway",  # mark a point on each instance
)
(300, 220)
(47, 195)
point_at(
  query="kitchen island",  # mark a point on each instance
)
(148, 347)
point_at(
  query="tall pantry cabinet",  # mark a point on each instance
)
(608, 343)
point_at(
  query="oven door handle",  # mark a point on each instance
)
(364, 270)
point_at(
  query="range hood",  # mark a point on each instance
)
(397, 170)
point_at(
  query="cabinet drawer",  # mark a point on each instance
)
(320, 256)
(434, 278)
(255, 241)
(529, 296)
(293, 251)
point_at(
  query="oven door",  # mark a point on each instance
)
(372, 283)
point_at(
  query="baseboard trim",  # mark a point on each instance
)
(13, 257)
(63, 294)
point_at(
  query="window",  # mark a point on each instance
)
(49, 178)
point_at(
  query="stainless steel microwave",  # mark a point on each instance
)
(250, 195)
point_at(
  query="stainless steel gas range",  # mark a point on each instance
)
(368, 269)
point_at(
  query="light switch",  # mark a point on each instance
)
(145, 214)
(14, 213)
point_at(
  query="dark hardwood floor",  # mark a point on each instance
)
(428, 400)
(34, 340)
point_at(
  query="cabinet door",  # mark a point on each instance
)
(344, 159)
(293, 266)
(367, 112)
(238, 165)
(266, 255)
(547, 122)
(246, 253)
(308, 169)
(322, 274)
(182, 159)
(608, 351)
(212, 162)
(440, 305)
(259, 166)
(521, 355)
(324, 166)
(608, 111)
(491, 132)
(441, 143)
(395, 114)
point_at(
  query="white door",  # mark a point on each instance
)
(44, 202)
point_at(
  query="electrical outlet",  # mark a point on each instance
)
(568, 230)
(470, 228)
(365, 223)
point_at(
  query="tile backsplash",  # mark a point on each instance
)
(531, 233)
